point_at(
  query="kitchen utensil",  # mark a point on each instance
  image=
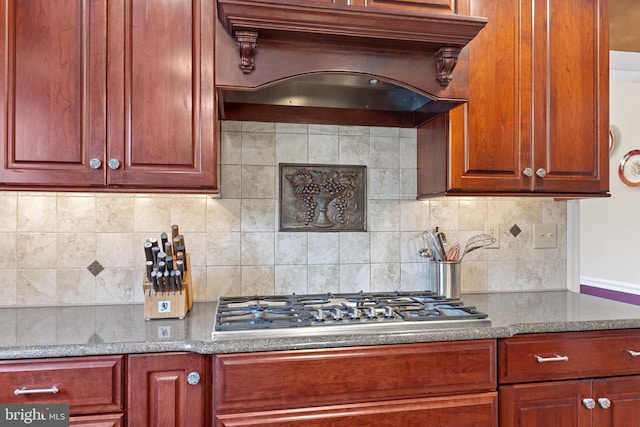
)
(441, 239)
(433, 245)
(476, 242)
(453, 253)
(425, 253)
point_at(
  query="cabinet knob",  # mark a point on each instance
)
(193, 378)
(604, 403)
(95, 164)
(114, 164)
(589, 403)
(541, 173)
(528, 172)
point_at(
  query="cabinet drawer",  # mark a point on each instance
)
(479, 409)
(289, 379)
(541, 357)
(87, 384)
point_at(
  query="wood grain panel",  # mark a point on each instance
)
(289, 379)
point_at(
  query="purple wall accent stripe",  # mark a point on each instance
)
(609, 294)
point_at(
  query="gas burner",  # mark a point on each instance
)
(363, 308)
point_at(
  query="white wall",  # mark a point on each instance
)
(610, 228)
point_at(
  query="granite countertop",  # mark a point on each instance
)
(59, 331)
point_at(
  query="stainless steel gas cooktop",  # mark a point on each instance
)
(363, 312)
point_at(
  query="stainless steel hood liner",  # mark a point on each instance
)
(334, 91)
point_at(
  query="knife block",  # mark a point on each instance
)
(171, 304)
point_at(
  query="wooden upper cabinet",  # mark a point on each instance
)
(537, 119)
(107, 95)
(161, 106)
(53, 91)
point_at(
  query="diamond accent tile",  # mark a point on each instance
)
(515, 230)
(95, 268)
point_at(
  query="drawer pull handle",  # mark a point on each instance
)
(634, 353)
(589, 403)
(555, 358)
(24, 390)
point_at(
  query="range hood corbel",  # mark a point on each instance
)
(415, 51)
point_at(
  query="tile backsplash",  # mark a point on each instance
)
(53, 240)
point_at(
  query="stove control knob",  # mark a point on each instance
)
(193, 378)
(589, 403)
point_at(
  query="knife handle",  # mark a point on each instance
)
(148, 254)
(175, 231)
(163, 239)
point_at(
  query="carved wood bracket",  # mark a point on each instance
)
(446, 60)
(247, 49)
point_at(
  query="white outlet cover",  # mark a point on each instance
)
(544, 236)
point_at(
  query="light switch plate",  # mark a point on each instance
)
(493, 229)
(544, 236)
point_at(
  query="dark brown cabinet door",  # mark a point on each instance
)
(162, 110)
(537, 116)
(617, 402)
(545, 404)
(159, 393)
(53, 91)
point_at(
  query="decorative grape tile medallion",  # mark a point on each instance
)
(322, 197)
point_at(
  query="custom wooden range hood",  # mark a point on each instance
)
(317, 62)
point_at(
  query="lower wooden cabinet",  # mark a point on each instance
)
(579, 379)
(472, 410)
(92, 386)
(444, 384)
(166, 390)
(105, 420)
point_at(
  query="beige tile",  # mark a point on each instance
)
(258, 249)
(291, 248)
(258, 182)
(291, 279)
(324, 278)
(291, 148)
(258, 215)
(354, 149)
(355, 278)
(384, 215)
(116, 286)
(37, 250)
(231, 148)
(223, 248)
(151, 214)
(76, 214)
(36, 286)
(37, 213)
(324, 248)
(354, 248)
(258, 280)
(383, 184)
(114, 213)
(76, 250)
(231, 181)
(385, 247)
(258, 148)
(223, 215)
(385, 277)
(115, 250)
(8, 212)
(415, 215)
(324, 149)
(189, 213)
(77, 286)
(8, 290)
(223, 281)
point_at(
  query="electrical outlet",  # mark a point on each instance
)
(493, 229)
(544, 236)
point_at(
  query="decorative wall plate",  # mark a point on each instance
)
(611, 141)
(629, 170)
